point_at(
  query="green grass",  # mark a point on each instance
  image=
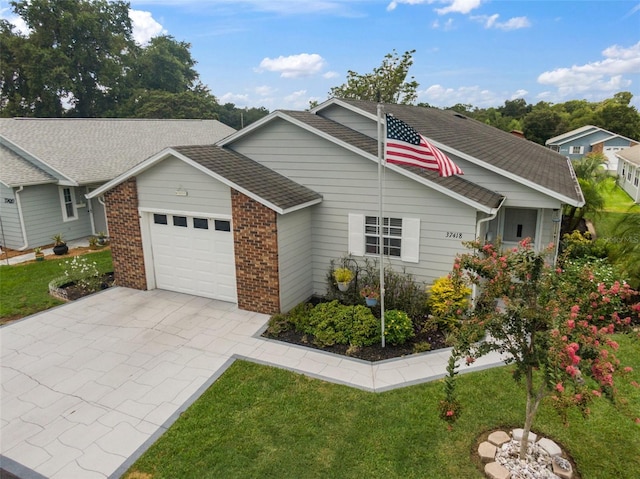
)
(262, 422)
(617, 200)
(24, 288)
(618, 204)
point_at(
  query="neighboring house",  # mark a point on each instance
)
(591, 139)
(629, 171)
(257, 218)
(47, 165)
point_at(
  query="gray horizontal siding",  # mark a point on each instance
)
(295, 254)
(157, 189)
(352, 120)
(42, 213)
(349, 184)
(517, 195)
(11, 229)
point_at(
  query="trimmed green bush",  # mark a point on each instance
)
(398, 327)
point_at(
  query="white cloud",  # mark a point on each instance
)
(19, 25)
(298, 99)
(459, 6)
(144, 26)
(294, 66)
(491, 21)
(446, 26)
(329, 75)
(519, 94)
(441, 96)
(234, 98)
(265, 90)
(605, 76)
(454, 6)
(438, 95)
(394, 4)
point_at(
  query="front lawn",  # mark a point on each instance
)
(263, 422)
(24, 288)
(617, 200)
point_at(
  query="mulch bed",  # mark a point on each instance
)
(370, 353)
(73, 292)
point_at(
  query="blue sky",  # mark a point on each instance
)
(284, 53)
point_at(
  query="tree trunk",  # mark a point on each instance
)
(533, 401)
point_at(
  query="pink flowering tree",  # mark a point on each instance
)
(554, 328)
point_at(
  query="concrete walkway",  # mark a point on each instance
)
(88, 386)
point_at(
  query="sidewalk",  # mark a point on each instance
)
(82, 242)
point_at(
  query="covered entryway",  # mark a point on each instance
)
(194, 255)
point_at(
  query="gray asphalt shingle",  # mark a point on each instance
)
(497, 148)
(250, 175)
(95, 150)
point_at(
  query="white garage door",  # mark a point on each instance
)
(194, 255)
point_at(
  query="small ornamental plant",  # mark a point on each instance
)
(555, 330)
(83, 273)
(370, 292)
(342, 275)
(450, 408)
(398, 327)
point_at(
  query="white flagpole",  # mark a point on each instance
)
(381, 137)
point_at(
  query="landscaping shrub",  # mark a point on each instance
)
(334, 323)
(398, 327)
(402, 292)
(576, 245)
(448, 299)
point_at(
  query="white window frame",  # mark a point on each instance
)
(636, 179)
(579, 152)
(64, 203)
(409, 239)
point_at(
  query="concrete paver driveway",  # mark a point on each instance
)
(88, 386)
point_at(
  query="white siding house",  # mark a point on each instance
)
(629, 171)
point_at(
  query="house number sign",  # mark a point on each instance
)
(451, 234)
(9, 201)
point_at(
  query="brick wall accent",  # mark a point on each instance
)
(255, 237)
(125, 236)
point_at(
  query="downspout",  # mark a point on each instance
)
(21, 216)
(474, 288)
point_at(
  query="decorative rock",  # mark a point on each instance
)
(498, 438)
(562, 468)
(517, 435)
(487, 451)
(551, 447)
(493, 470)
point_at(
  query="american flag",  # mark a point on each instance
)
(407, 147)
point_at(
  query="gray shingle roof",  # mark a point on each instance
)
(632, 154)
(500, 149)
(16, 171)
(95, 150)
(456, 184)
(251, 176)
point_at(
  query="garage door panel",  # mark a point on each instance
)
(192, 260)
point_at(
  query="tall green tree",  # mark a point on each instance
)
(387, 83)
(75, 53)
(618, 116)
(541, 124)
(166, 64)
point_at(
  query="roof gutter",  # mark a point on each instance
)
(21, 217)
